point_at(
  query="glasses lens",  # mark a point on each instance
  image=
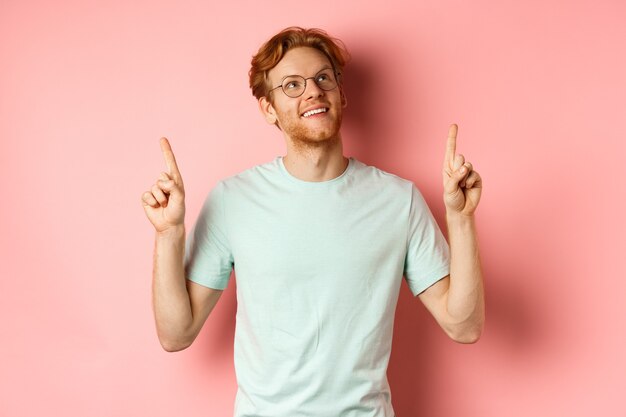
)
(326, 80)
(293, 86)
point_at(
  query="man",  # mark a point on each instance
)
(319, 243)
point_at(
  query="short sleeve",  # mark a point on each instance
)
(428, 254)
(208, 256)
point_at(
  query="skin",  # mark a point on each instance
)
(457, 300)
(314, 153)
(180, 306)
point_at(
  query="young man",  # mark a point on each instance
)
(320, 243)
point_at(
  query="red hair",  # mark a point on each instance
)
(272, 51)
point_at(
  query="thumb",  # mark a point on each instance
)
(452, 185)
(175, 192)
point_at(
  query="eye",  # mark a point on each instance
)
(292, 84)
(322, 77)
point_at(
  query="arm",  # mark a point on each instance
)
(457, 301)
(180, 309)
(180, 306)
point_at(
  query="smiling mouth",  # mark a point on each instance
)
(315, 111)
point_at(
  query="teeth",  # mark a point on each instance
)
(312, 112)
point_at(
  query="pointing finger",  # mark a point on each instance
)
(450, 147)
(170, 160)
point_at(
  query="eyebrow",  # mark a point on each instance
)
(294, 75)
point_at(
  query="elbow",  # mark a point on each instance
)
(467, 335)
(467, 338)
(173, 346)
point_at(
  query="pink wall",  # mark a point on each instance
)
(537, 89)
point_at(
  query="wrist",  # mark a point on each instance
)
(172, 232)
(458, 218)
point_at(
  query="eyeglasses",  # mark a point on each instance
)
(294, 85)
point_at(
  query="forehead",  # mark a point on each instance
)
(304, 61)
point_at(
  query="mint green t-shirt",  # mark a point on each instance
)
(318, 267)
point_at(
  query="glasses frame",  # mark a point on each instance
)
(335, 74)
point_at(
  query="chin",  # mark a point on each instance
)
(328, 134)
(324, 135)
(320, 137)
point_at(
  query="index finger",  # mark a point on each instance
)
(170, 160)
(451, 146)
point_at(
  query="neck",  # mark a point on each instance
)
(315, 161)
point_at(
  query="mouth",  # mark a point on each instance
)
(314, 112)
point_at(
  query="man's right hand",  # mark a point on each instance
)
(164, 204)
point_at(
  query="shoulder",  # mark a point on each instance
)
(252, 176)
(382, 178)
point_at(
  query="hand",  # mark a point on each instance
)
(461, 184)
(164, 204)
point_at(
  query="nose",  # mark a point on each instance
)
(312, 90)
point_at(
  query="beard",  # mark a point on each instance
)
(307, 137)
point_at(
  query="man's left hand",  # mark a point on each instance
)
(462, 185)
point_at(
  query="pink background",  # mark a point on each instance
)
(537, 89)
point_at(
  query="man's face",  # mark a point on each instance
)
(312, 130)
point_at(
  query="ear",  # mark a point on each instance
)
(344, 99)
(267, 110)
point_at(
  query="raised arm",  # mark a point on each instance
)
(457, 301)
(180, 306)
